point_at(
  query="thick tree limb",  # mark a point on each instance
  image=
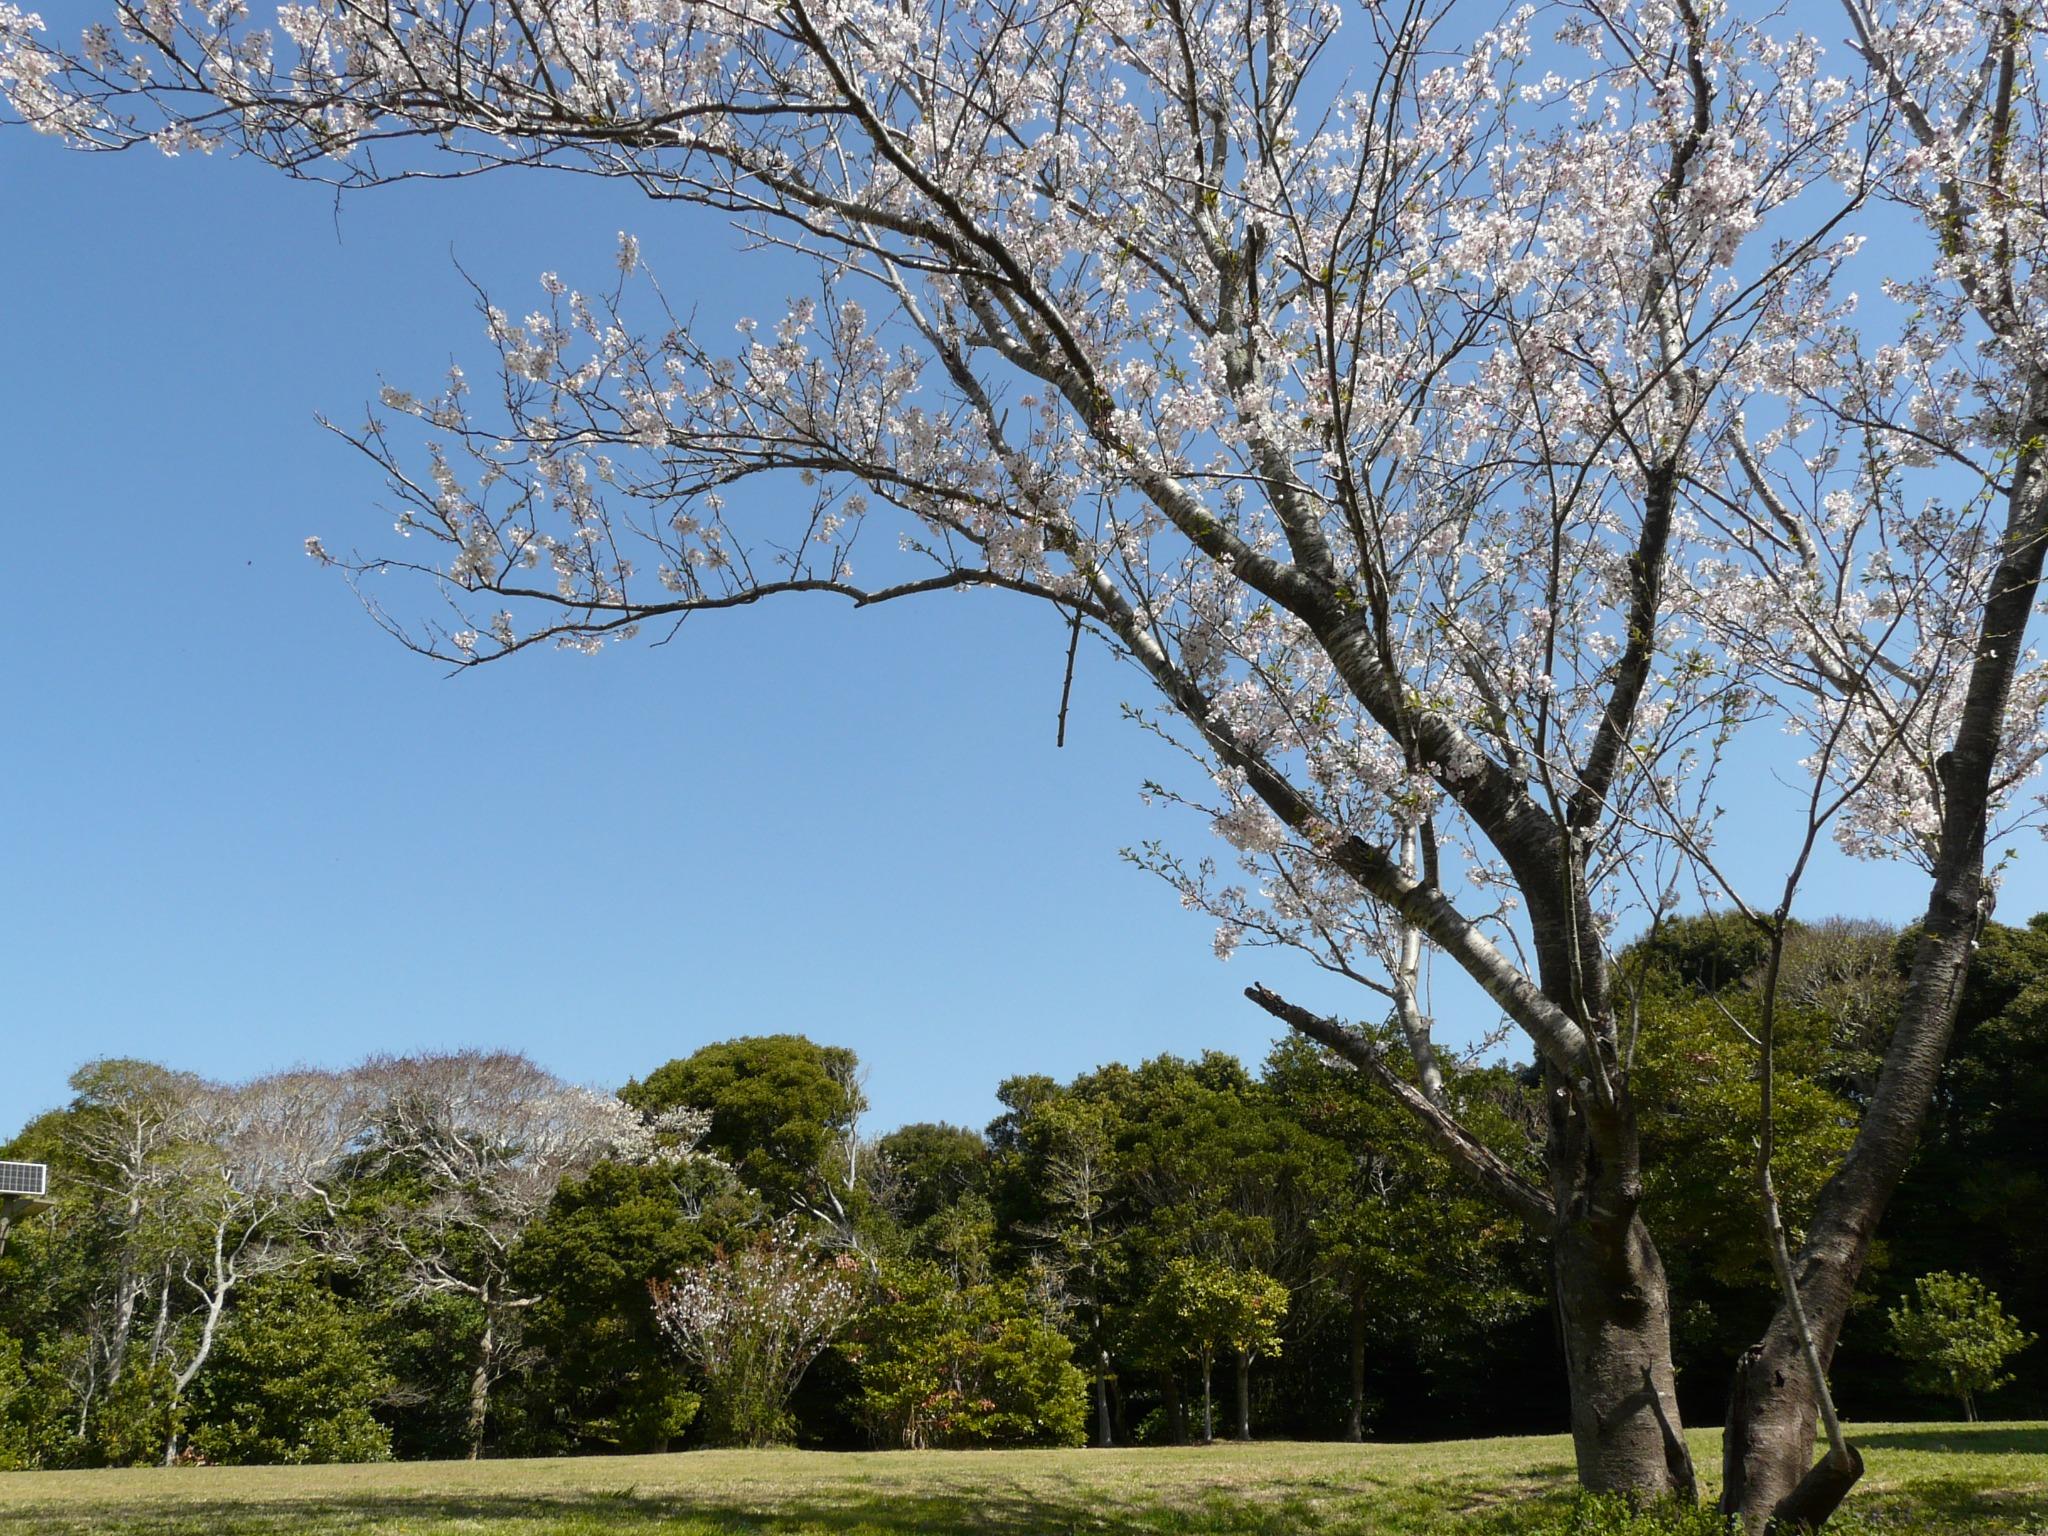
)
(1474, 1158)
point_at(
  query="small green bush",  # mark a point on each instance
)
(293, 1380)
(138, 1416)
(1957, 1337)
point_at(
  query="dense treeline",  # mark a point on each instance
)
(462, 1255)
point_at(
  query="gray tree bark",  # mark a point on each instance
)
(480, 1385)
(1613, 1305)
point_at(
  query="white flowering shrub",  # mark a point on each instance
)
(752, 1320)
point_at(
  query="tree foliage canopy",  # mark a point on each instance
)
(1957, 1336)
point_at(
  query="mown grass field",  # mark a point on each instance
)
(1942, 1479)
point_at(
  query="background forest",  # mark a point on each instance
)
(463, 1255)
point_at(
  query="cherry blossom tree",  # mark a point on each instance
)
(753, 1320)
(1467, 430)
(1926, 511)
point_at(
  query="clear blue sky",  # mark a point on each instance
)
(242, 829)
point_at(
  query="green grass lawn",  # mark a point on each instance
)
(1923, 1479)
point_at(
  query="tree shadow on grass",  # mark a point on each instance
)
(1943, 1504)
(1961, 1439)
(851, 1512)
(1933, 1506)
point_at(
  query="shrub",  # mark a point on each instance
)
(292, 1380)
(752, 1321)
(941, 1364)
(138, 1416)
(15, 1449)
(1957, 1337)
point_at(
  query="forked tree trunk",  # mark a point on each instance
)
(1767, 1438)
(209, 1330)
(1769, 1476)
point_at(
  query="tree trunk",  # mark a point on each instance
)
(159, 1334)
(1102, 1430)
(181, 1381)
(1612, 1299)
(480, 1387)
(1768, 1480)
(1208, 1406)
(127, 1296)
(1969, 1407)
(1354, 1425)
(1244, 1395)
(1615, 1319)
(1767, 1438)
(1613, 1306)
(1176, 1410)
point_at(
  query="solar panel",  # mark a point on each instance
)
(24, 1179)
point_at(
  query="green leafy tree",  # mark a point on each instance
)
(603, 1379)
(784, 1113)
(1695, 996)
(428, 1343)
(1212, 1308)
(1253, 1331)
(927, 1169)
(960, 1239)
(1403, 1247)
(295, 1379)
(941, 1364)
(1957, 1337)
(1077, 1169)
(1106, 1180)
(1208, 1164)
